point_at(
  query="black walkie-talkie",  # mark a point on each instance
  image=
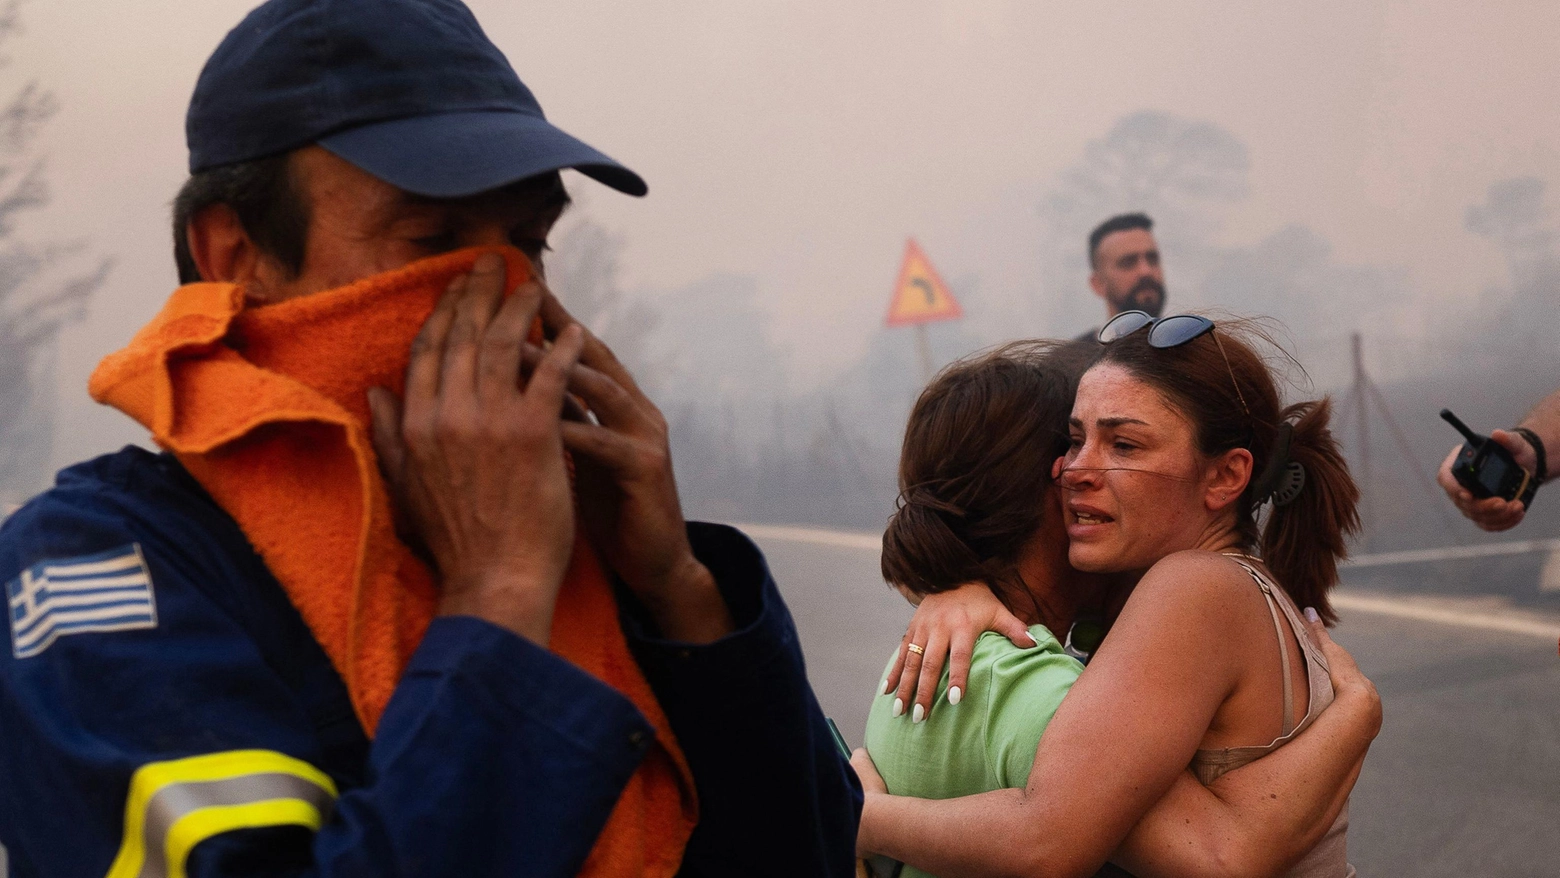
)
(1487, 469)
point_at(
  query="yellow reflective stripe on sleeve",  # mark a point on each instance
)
(194, 828)
(166, 810)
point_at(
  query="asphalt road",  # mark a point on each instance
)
(1463, 780)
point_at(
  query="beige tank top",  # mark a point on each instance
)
(1329, 859)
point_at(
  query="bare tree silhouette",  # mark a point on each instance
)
(1515, 217)
(1180, 169)
(42, 287)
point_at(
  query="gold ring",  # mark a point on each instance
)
(916, 649)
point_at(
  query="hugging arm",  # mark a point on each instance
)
(1261, 818)
(1119, 743)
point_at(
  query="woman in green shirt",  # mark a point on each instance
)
(978, 504)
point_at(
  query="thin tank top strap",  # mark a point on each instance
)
(1278, 629)
(1209, 764)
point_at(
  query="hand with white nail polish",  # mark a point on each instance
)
(989, 740)
(945, 627)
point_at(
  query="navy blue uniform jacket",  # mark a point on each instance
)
(165, 711)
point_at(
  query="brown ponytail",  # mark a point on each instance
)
(1304, 540)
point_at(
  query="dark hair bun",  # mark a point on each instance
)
(921, 549)
(976, 465)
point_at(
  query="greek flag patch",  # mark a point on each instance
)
(109, 591)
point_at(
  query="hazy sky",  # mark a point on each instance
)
(801, 141)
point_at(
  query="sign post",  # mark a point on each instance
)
(921, 297)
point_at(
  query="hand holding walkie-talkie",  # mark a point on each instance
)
(1487, 469)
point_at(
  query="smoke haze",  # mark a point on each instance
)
(1376, 166)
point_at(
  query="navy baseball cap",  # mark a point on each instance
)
(411, 91)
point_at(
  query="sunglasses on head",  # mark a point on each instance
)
(1169, 332)
(1164, 332)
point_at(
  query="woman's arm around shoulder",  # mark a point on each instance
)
(1118, 742)
(1136, 716)
(1262, 818)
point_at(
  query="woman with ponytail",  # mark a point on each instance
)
(1199, 514)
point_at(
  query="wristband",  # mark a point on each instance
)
(1541, 460)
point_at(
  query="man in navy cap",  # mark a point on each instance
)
(174, 704)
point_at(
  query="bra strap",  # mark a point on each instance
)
(1283, 651)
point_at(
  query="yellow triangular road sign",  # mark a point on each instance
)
(920, 296)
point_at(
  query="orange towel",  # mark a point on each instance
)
(267, 408)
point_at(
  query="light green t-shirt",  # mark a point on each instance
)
(985, 742)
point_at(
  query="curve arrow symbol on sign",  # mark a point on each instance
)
(920, 296)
